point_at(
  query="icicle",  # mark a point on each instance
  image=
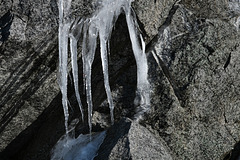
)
(88, 92)
(88, 52)
(84, 52)
(104, 25)
(73, 46)
(141, 60)
(92, 42)
(64, 26)
(60, 8)
(87, 75)
(74, 36)
(63, 57)
(104, 58)
(101, 24)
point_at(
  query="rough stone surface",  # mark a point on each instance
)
(199, 60)
(193, 57)
(130, 140)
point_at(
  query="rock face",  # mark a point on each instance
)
(193, 57)
(28, 60)
(198, 56)
(130, 140)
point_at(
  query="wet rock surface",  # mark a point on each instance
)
(193, 57)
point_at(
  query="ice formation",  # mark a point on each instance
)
(71, 148)
(234, 6)
(100, 26)
(64, 26)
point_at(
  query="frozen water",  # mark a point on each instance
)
(73, 45)
(162, 47)
(142, 100)
(64, 26)
(80, 148)
(100, 26)
(234, 6)
(74, 36)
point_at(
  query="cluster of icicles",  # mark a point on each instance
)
(100, 26)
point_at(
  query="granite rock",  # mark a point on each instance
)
(193, 58)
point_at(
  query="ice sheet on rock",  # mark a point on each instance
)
(234, 6)
(163, 46)
(80, 148)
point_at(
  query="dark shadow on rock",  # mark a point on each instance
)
(20, 77)
(118, 132)
(234, 154)
(51, 116)
(128, 140)
(5, 25)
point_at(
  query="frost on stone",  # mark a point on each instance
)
(234, 6)
(162, 47)
(98, 26)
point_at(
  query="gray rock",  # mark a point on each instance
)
(194, 81)
(129, 140)
(28, 60)
(28, 65)
(195, 94)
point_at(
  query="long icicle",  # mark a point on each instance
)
(75, 34)
(92, 40)
(73, 46)
(104, 58)
(63, 55)
(141, 60)
(88, 52)
(64, 26)
(84, 52)
(104, 25)
(87, 71)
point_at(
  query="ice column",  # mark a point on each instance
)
(73, 45)
(64, 26)
(88, 53)
(142, 99)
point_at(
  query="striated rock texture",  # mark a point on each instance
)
(193, 57)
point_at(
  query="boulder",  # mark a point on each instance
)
(129, 140)
(193, 57)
